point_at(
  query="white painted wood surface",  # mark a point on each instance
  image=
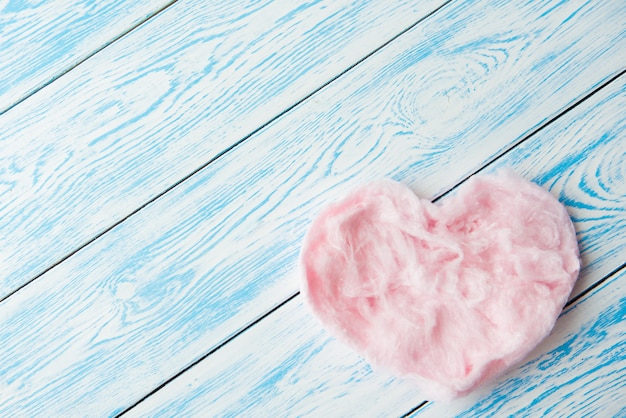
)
(109, 324)
(289, 365)
(41, 40)
(152, 108)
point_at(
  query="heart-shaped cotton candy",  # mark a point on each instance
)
(447, 294)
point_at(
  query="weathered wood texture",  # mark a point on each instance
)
(139, 304)
(39, 41)
(289, 365)
(135, 119)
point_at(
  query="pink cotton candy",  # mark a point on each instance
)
(447, 294)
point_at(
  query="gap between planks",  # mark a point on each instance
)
(486, 166)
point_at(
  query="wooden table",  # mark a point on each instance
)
(160, 162)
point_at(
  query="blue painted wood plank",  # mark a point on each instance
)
(288, 364)
(39, 41)
(158, 291)
(148, 111)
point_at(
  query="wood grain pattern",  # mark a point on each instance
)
(579, 371)
(148, 111)
(39, 41)
(158, 291)
(288, 364)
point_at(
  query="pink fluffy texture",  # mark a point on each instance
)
(449, 295)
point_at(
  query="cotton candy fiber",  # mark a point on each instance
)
(448, 294)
